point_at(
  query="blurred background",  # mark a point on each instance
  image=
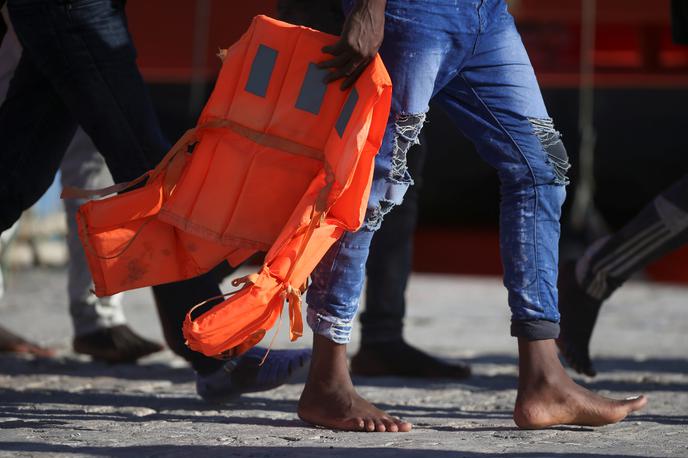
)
(609, 72)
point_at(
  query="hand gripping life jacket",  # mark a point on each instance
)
(281, 163)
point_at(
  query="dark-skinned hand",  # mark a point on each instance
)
(361, 37)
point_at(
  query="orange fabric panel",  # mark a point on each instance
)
(301, 126)
(249, 109)
(348, 209)
(228, 79)
(134, 253)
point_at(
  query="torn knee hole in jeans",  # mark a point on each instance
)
(375, 217)
(407, 129)
(550, 139)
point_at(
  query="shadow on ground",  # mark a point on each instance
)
(88, 406)
(615, 374)
(223, 451)
(603, 364)
(44, 407)
(73, 366)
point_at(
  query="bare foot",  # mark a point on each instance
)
(329, 398)
(12, 343)
(547, 396)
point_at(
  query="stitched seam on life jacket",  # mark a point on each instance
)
(208, 234)
(265, 139)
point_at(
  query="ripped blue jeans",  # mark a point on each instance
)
(468, 56)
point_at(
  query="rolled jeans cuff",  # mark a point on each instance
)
(535, 329)
(335, 329)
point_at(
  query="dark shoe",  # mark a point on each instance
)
(578, 316)
(245, 374)
(399, 359)
(12, 343)
(118, 344)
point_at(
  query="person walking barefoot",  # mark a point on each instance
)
(468, 56)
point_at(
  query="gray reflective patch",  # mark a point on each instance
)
(261, 71)
(347, 111)
(312, 90)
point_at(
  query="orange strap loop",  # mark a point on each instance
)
(247, 280)
(189, 137)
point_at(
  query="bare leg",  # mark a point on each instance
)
(547, 396)
(329, 398)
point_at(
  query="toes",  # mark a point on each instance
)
(635, 403)
(358, 424)
(369, 425)
(380, 426)
(402, 426)
(390, 425)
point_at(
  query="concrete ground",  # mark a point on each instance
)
(72, 407)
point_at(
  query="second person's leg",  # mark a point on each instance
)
(100, 328)
(660, 228)
(383, 350)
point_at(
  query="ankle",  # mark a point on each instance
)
(537, 382)
(538, 362)
(329, 365)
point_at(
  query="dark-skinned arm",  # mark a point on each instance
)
(361, 37)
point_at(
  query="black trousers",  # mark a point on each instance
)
(78, 67)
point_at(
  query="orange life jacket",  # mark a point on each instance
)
(282, 163)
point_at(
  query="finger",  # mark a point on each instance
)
(340, 72)
(334, 49)
(337, 61)
(351, 78)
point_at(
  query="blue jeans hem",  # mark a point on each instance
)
(535, 330)
(337, 330)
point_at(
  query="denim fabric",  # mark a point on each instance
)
(468, 55)
(389, 263)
